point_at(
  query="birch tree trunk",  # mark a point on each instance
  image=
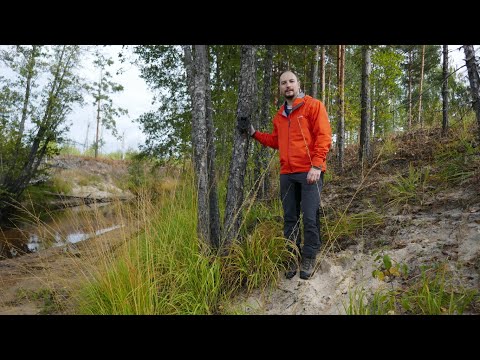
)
(214, 211)
(30, 59)
(474, 79)
(238, 165)
(261, 159)
(199, 141)
(445, 91)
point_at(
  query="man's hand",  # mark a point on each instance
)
(252, 130)
(313, 175)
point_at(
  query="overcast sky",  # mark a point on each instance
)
(136, 98)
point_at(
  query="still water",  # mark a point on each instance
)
(71, 225)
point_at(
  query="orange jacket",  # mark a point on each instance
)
(303, 137)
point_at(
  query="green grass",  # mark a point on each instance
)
(61, 185)
(409, 189)
(434, 294)
(457, 161)
(339, 226)
(257, 261)
(381, 303)
(161, 270)
(165, 269)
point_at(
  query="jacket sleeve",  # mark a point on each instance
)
(322, 135)
(270, 140)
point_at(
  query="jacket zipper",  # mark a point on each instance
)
(288, 138)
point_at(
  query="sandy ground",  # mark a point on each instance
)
(449, 233)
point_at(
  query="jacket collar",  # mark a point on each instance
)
(299, 100)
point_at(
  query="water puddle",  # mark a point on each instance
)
(69, 226)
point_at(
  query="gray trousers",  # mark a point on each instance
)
(298, 196)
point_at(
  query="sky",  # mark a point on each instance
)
(136, 98)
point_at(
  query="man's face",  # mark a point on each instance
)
(289, 85)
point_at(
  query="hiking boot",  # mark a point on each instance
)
(307, 268)
(291, 269)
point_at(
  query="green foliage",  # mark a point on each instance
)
(389, 147)
(101, 92)
(387, 268)
(341, 226)
(434, 294)
(410, 189)
(457, 161)
(141, 174)
(115, 155)
(162, 270)
(382, 302)
(358, 304)
(61, 185)
(263, 211)
(257, 261)
(31, 132)
(168, 129)
(69, 150)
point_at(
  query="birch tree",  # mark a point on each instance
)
(47, 119)
(245, 110)
(474, 79)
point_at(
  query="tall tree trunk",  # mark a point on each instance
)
(420, 120)
(238, 165)
(199, 140)
(34, 157)
(445, 91)
(341, 106)
(373, 123)
(26, 100)
(410, 89)
(474, 79)
(315, 73)
(98, 116)
(49, 123)
(261, 159)
(305, 74)
(214, 212)
(328, 94)
(364, 149)
(322, 75)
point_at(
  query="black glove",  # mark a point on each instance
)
(243, 124)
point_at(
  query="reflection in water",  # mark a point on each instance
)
(34, 244)
(69, 226)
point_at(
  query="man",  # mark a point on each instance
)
(302, 133)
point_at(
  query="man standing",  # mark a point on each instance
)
(302, 134)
